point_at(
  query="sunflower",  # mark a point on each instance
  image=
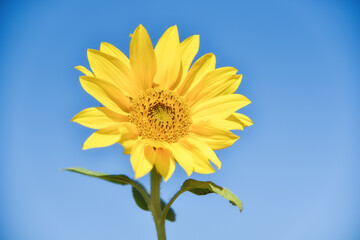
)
(159, 108)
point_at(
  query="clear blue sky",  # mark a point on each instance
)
(296, 170)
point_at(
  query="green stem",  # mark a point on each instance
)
(167, 207)
(155, 204)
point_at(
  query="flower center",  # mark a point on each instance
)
(160, 115)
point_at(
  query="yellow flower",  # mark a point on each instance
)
(157, 108)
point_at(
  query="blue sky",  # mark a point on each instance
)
(296, 170)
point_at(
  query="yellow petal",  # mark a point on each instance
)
(177, 81)
(112, 70)
(84, 70)
(142, 58)
(201, 162)
(245, 121)
(183, 157)
(128, 144)
(233, 86)
(168, 58)
(164, 163)
(216, 138)
(115, 52)
(103, 138)
(206, 150)
(219, 107)
(221, 123)
(215, 83)
(128, 131)
(150, 153)
(129, 136)
(106, 93)
(201, 67)
(202, 166)
(98, 117)
(189, 48)
(139, 160)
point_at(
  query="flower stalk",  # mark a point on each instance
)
(156, 204)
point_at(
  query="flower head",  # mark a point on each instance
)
(159, 108)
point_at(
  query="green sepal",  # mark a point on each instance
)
(140, 201)
(203, 188)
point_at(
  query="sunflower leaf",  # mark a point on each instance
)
(140, 201)
(118, 179)
(203, 188)
(141, 196)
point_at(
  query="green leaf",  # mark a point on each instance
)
(140, 201)
(118, 179)
(140, 194)
(203, 188)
